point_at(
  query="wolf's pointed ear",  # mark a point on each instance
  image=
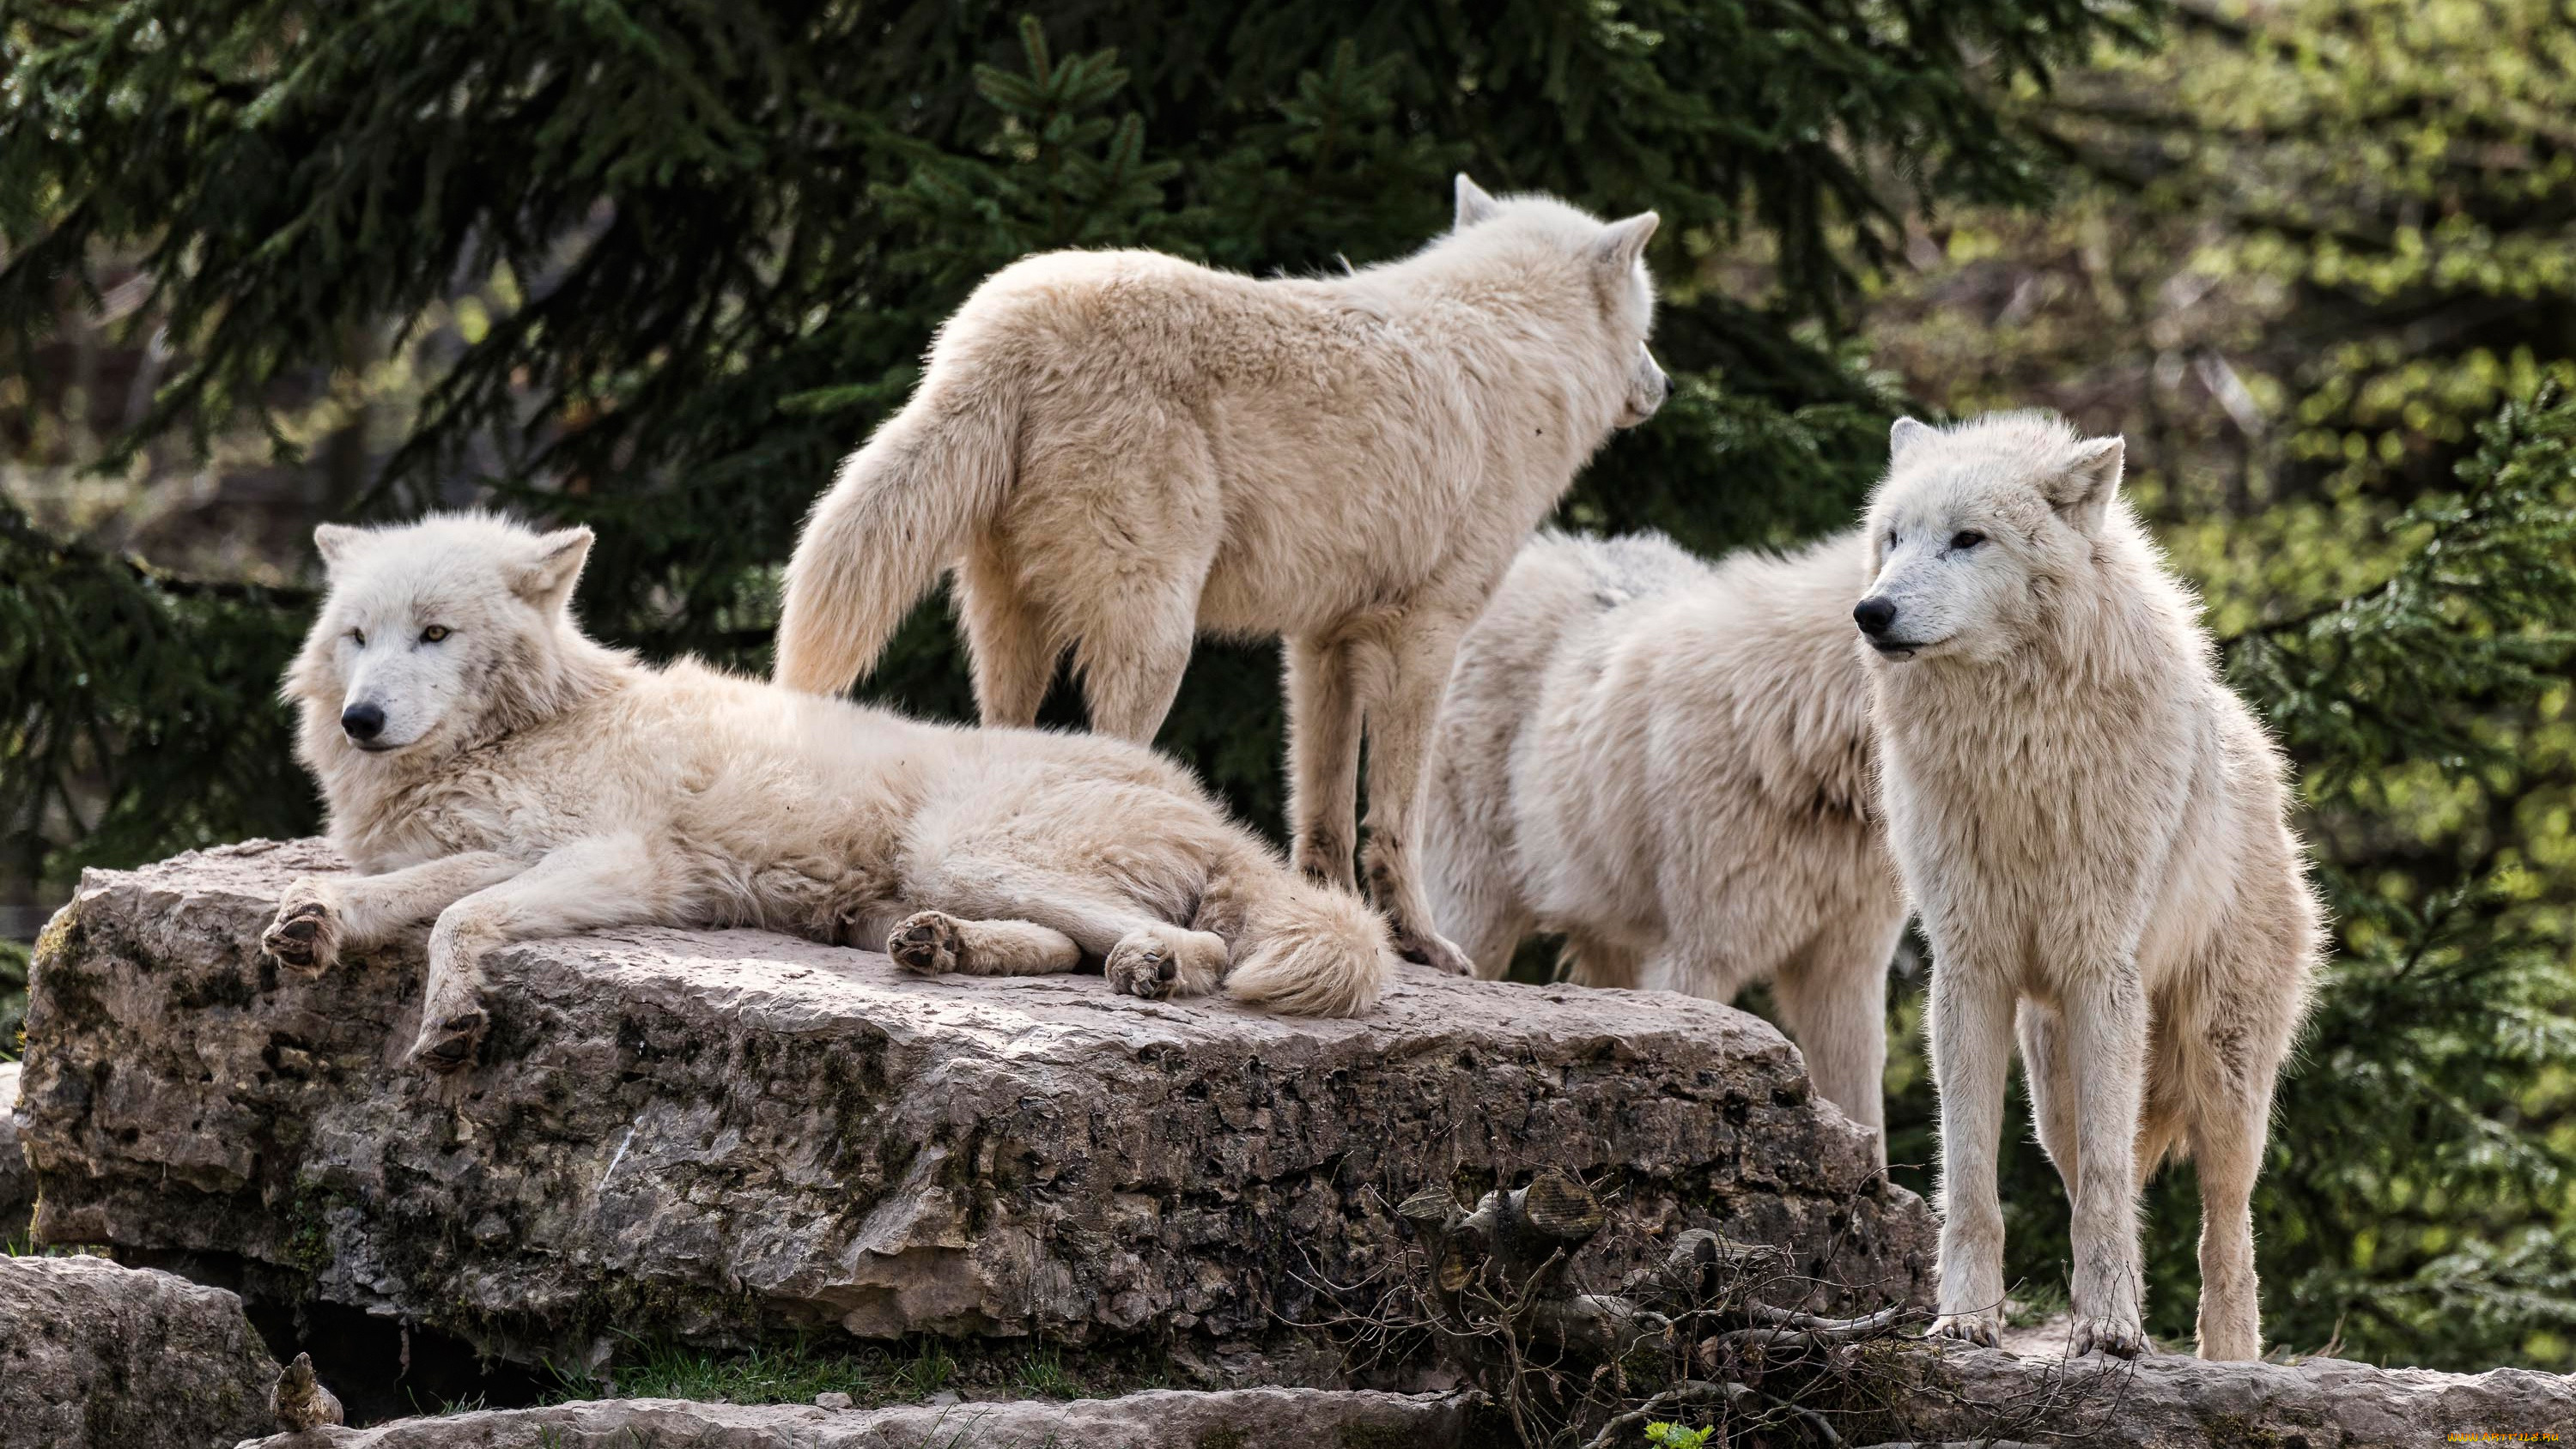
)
(1622, 242)
(334, 540)
(1473, 204)
(1904, 435)
(2082, 493)
(545, 578)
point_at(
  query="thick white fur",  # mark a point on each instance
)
(542, 785)
(1669, 762)
(1118, 450)
(2092, 828)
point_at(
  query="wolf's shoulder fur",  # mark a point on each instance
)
(1668, 761)
(1759, 642)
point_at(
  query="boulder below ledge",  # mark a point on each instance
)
(95, 1356)
(1950, 1392)
(1159, 1419)
(727, 1136)
(17, 1180)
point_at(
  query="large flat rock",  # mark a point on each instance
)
(721, 1136)
(1161, 1419)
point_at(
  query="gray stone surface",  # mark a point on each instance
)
(17, 1179)
(1163, 1419)
(726, 1135)
(2167, 1401)
(94, 1356)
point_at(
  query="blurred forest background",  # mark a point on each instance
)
(656, 264)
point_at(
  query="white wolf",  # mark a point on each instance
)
(487, 764)
(2092, 828)
(1118, 450)
(1670, 763)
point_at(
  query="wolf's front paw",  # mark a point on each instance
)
(1142, 964)
(2118, 1337)
(927, 943)
(305, 937)
(447, 1046)
(1977, 1328)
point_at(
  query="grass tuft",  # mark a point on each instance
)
(795, 1372)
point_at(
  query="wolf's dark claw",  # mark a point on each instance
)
(451, 1049)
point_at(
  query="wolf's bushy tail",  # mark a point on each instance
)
(899, 512)
(1300, 947)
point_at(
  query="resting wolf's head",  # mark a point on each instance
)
(1612, 257)
(1978, 529)
(437, 634)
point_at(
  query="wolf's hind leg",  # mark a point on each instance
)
(1013, 647)
(1163, 960)
(931, 943)
(1400, 698)
(2227, 1145)
(1127, 552)
(1323, 759)
(1132, 658)
(2225, 1064)
(1833, 998)
(1145, 954)
(2052, 1087)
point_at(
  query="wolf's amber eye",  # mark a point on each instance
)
(433, 633)
(359, 637)
(1966, 539)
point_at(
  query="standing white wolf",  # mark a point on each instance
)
(2092, 828)
(1670, 763)
(485, 763)
(1118, 450)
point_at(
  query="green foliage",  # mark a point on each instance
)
(2423, 1188)
(1675, 1436)
(715, 238)
(2476, 615)
(138, 713)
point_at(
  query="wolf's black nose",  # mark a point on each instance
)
(362, 722)
(1873, 616)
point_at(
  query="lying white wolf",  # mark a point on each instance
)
(1669, 762)
(487, 764)
(2092, 828)
(1118, 450)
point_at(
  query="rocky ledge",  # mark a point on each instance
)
(1951, 1393)
(1240, 1419)
(1922, 1395)
(731, 1135)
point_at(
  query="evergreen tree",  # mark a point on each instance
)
(680, 256)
